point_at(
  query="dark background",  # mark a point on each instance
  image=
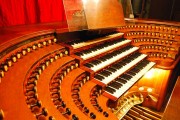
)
(157, 9)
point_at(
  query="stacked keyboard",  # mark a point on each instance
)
(117, 70)
(108, 59)
(122, 83)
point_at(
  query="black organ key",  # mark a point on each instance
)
(109, 89)
(116, 66)
(119, 84)
(79, 53)
(145, 62)
(105, 73)
(140, 66)
(134, 56)
(99, 77)
(131, 73)
(115, 85)
(121, 80)
(111, 69)
(102, 59)
(135, 70)
(95, 62)
(122, 63)
(87, 51)
(129, 76)
(128, 60)
(108, 56)
(88, 65)
(128, 47)
(126, 77)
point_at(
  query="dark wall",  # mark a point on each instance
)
(157, 9)
(160, 9)
(165, 10)
(176, 11)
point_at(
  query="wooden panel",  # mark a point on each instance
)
(156, 80)
(12, 98)
(173, 109)
(98, 13)
(18, 34)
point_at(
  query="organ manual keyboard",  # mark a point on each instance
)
(125, 72)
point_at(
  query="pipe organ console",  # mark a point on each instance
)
(124, 73)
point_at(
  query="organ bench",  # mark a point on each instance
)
(49, 73)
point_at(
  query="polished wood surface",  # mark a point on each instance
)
(93, 14)
(98, 15)
(13, 80)
(172, 108)
(14, 34)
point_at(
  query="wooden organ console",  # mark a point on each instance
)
(53, 74)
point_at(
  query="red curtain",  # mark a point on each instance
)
(16, 12)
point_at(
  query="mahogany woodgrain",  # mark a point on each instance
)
(66, 86)
(11, 86)
(15, 34)
(43, 87)
(172, 108)
(158, 81)
(85, 96)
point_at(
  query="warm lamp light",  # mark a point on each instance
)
(149, 74)
(96, 1)
(141, 88)
(149, 90)
(84, 1)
